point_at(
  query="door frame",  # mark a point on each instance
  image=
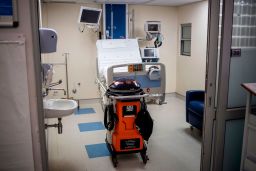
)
(224, 114)
(216, 114)
(38, 128)
(210, 84)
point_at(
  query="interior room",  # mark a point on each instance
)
(97, 85)
(77, 51)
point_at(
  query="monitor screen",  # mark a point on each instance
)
(149, 52)
(153, 27)
(89, 15)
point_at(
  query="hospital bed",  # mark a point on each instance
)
(120, 58)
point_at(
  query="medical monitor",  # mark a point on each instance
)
(89, 16)
(152, 26)
(149, 53)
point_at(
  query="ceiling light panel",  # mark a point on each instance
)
(144, 2)
(171, 2)
(124, 1)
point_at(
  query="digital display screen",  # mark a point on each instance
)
(149, 53)
(153, 27)
(135, 67)
(90, 16)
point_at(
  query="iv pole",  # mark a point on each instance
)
(66, 67)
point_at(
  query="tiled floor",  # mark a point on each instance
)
(172, 146)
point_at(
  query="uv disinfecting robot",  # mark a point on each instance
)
(127, 120)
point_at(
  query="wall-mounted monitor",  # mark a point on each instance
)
(152, 26)
(149, 53)
(89, 16)
(8, 13)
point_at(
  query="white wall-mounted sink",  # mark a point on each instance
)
(58, 108)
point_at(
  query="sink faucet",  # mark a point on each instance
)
(57, 83)
(44, 94)
(47, 89)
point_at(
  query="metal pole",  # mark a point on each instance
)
(40, 14)
(66, 67)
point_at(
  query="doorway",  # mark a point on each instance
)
(231, 49)
(168, 143)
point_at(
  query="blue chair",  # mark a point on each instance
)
(195, 108)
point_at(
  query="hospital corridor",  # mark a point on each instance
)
(127, 85)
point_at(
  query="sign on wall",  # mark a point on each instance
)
(8, 13)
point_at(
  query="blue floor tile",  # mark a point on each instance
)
(82, 111)
(97, 150)
(91, 126)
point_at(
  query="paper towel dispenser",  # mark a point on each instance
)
(48, 40)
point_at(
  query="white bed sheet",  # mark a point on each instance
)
(117, 51)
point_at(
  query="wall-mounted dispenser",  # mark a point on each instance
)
(48, 40)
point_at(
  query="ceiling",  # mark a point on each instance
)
(144, 2)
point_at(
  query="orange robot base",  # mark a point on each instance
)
(126, 137)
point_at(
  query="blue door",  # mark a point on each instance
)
(115, 21)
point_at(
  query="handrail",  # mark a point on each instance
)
(129, 97)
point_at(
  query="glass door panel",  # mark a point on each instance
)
(243, 51)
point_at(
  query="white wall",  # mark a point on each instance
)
(168, 51)
(191, 70)
(182, 73)
(82, 49)
(80, 46)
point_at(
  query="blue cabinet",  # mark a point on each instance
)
(115, 21)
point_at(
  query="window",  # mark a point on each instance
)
(185, 45)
